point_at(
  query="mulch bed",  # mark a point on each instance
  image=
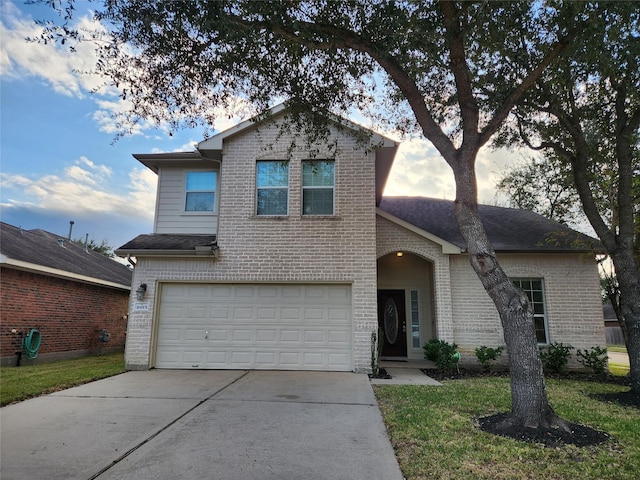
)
(579, 435)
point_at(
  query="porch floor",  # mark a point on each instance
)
(406, 372)
(405, 363)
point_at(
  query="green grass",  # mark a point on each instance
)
(617, 348)
(434, 434)
(618, 369)
(20, 383)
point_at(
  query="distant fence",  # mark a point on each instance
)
(614, 335)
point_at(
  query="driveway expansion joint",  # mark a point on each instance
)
(173, 422)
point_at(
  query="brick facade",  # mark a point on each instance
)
(572, 301)
(465, 313)
(68, 314)
(292, 248)
(346, 248)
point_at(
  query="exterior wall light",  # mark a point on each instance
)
(142, 289)
(399, 254)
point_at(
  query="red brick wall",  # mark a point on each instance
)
(68, 314)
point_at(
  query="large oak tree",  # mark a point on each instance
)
(427, 68)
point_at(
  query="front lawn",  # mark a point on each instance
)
(20, 383)
(433, 431)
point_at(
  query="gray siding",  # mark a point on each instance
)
(170, 214)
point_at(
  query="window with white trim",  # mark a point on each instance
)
(534, 289)
(200, 191)
(318, 186)
(272, 187)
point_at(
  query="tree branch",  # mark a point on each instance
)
(341, 38)
(469, 110)
(501, 114)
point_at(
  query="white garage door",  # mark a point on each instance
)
(240, 326)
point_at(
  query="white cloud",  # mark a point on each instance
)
(64, 71)
(419, 170)
(84, 191)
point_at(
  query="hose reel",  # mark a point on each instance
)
(31, 343)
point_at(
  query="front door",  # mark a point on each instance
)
(393, 323)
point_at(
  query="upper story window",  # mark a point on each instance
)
(534, 289)
(318, 187)
(200, 191)
(272, 187)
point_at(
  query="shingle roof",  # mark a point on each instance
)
(42, 248)
(508, 229)
(177, 243)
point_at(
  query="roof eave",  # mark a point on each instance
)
(199, 253)
(212, 146)
(155, 161)
(55, 272)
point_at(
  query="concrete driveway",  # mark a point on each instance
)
(166, 424)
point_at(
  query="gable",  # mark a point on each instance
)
(385, 148)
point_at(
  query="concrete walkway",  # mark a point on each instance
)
(618, 358)
(231, 425)
(406, 373)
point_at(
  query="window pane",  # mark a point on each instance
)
(533, 288)
(272, 201)
(200, 191)
(272, 174)
(317, 173)
(317, 201)
(199, 202)
(201, 181)
(541, 334)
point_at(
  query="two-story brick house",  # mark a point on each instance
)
(268, 253)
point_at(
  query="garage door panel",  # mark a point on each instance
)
(169, 334)
(339, 337)
(269, 336)
(254, 326)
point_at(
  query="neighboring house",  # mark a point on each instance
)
(271, 254)
(68, 293)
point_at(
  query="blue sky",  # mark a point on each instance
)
(59, 162)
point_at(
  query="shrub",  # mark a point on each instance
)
(555, 356)
(595, 359)
(444, 355)
(487, 355)
(431, 349)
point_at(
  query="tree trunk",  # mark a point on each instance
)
(530, 407)
(629, 285)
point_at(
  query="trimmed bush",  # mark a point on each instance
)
(444, 355)
(487, 355)
(431, 349)
(555, 356)
(595, 359)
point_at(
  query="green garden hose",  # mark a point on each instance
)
(31, 343)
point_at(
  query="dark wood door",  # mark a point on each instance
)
(393, 322)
